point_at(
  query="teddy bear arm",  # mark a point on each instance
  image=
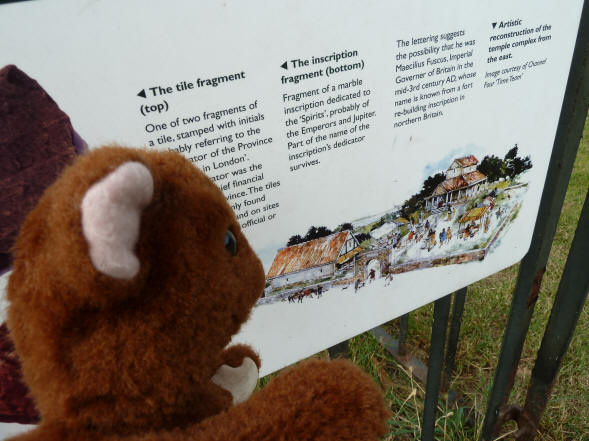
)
(233, 355)
(316, 400)
(237, 371)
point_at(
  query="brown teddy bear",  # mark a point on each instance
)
(130, 277)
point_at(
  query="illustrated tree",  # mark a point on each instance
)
(317, 232)
(344, 227)
(312, 233)
(416, 201)
(492, 167)
(514, 165)
(520, 165)
(294, 240)
(512, 153)
(323, 231)
(411, 205)
(362, 237)
(430, 184)
(509, 162)
(510, 166)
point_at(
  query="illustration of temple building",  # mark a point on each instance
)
(313, 260)
(463, 180)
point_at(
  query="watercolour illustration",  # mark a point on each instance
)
(457, 217)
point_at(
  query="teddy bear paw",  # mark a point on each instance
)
(240, 381)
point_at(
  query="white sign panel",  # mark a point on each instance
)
(378, 154)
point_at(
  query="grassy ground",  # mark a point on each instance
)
(485, 316)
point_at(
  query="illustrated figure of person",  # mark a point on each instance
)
(398, 241)
(430, 239)
(372, 275)
(356, 285)
(442, 236)
(388, 279)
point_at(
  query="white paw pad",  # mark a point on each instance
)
(239, 381)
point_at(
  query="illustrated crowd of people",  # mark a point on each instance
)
(429, 234)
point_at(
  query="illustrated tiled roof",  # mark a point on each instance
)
(474, 177)
(467, 161)
(458, 182)
(449, 185)
(453, 184)
(307, 255)
(439, 190)
(474, 214)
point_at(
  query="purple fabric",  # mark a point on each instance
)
(16, 406)
(37, 142)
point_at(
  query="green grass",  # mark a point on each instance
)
(485, 316)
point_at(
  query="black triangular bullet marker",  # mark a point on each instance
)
(142, 93)
(494, 24)
(284, 65)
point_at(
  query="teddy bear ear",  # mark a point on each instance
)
(111, 217)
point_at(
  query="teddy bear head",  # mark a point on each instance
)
(129, 278)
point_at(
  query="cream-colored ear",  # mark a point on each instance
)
(111, 215)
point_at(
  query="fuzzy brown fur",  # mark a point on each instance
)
(110, 359)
